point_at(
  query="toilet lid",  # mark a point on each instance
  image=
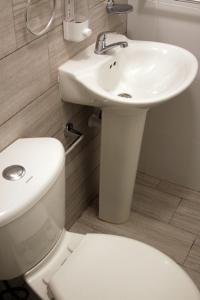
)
(105, 267)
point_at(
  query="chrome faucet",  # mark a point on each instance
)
(101, 45)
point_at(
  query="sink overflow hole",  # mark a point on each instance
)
(125, 95)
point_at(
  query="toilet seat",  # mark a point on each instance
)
(61, 265)
(105, 267)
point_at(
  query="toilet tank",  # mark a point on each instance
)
(32, 203)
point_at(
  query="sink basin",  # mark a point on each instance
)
(142, 75)
(124, 83)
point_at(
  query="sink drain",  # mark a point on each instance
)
(125, 95)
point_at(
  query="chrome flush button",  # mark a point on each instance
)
(14, 172)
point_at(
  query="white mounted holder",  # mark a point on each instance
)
(76, 31)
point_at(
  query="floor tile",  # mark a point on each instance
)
(179, 191)
(193, 259)
(194, 275)
(154, 203)
(187, 216)
(171, 240)
(80, 227)
(147, 180)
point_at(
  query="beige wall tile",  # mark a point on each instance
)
(93, 3)
(42, 117)
(84, 156)
(31, 122)
(81, 198)
(154, 203)
(7, 33)
(24, 77)
(187, 216)
(82, 172)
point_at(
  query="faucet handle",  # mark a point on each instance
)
(101, 41)
(102, 35)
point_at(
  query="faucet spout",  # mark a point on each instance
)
(123, 44)
(102, 47)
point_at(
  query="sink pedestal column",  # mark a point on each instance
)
(121, 137)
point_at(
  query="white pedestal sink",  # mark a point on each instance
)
(124, 83)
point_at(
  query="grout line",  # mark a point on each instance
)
(147, 185)
(189, 251)
(179, 185)
(14, 29)
(49, 59)
(149, 216)
(182, 229)
(29, 42)
(19, 111)
(21, 47)
(147, 175)
(168, 192)
(175, 211)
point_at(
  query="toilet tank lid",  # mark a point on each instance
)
(43, 159)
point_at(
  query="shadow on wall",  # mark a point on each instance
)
(171, 144)
(169, 149)
(180, 107)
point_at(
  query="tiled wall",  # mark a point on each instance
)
(29, 100)
(171, 144)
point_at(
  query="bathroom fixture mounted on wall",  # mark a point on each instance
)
(102, 47)
(69, 130)
(27, 15)
(94, 120)
(76, 24)
(77, 136)
(113, 8)
(107, 82)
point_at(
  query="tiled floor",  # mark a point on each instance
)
(164, 215)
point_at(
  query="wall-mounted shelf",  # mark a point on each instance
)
(113, 8)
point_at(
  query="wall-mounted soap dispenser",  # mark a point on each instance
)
(76, 24)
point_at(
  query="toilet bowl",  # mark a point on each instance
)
(62, 265)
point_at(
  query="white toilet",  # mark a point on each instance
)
(66, 266)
